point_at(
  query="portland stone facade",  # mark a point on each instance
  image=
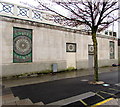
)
(31, 44)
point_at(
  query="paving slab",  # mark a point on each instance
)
(39, 103)
(112, 102)
(44, 90)
(75, 104)
(10, 103)
(9, 100)
(73, 99)
(7, 96)
(57, 76)
(24, 102)
(6, 91)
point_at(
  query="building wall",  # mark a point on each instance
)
(118, 51)
(49, 46)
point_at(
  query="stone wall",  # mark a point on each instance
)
(49, 46)
(118, 51)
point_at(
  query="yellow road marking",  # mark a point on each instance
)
(83, 102)
(100, 103)
(99, 95)
(114, 89)
(107, 93)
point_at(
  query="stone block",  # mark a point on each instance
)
(39, 103)
(9, 98)
(11, 103)
(24, 102)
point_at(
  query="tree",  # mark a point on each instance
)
(97, 15)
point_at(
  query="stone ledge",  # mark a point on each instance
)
(24, 102)
(50, 26)
(39, 103)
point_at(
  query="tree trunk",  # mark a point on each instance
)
(95, 57)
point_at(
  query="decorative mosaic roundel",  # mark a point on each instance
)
(91, 49)
(71, 47)
(111, 49)
(22, 45)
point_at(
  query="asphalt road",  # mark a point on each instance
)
(52, 91)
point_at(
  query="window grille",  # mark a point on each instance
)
(36, 14)
(23, 11)
(7, 8)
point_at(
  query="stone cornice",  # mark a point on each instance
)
(50, 26)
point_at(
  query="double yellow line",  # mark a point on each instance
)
(102, 102)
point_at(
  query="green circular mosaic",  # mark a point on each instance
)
(71, 47)
(22, 45)
(111, 50)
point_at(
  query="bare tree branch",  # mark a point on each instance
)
(91, 13)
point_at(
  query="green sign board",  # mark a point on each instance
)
(22, 45)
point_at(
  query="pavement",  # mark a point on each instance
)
(63, 89)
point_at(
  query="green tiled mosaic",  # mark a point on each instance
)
(22, 45)
(112, 50)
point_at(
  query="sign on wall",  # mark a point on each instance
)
(22, 45)
(70, 47)
(112, 54)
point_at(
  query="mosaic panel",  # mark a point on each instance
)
(70, 47)
(22, 45)
(90, 49)
(112, 50)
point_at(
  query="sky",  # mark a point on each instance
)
(18, 1)
(115, 28)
